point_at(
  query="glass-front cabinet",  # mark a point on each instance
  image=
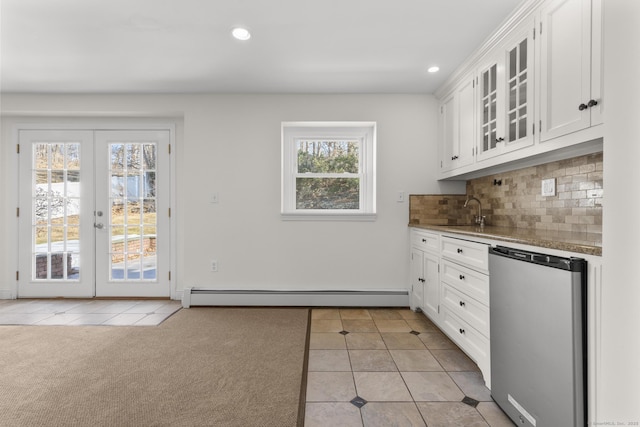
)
(491, 107)
(505, 83)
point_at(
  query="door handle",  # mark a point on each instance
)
(99, 226)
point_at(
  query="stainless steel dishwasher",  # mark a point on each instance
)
(538, 337)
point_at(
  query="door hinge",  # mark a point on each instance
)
(18, 212)
(441, 109)
(169, 276)
(169, 212)
(438, 308)
(540, 127)
(17, 276)
(169, 148)
(18, 148)
(534, 33)
(541, 28)
(533, 129)
(438, 268)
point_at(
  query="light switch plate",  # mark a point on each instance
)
(549, 187)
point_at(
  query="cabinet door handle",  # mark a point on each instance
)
(461, 277)
(459, 250)
(462, 304)
(499, 139)
(592, 103)
(582, 107)
(454, 157)
(424, 240)
(461, 331)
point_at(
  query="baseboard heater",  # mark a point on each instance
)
(304, 298)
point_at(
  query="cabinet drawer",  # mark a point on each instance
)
(468, 339)
(470, 254)
(425, 241)
(468, 281)
(468, 309)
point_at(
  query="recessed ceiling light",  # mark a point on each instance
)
(241, 33)
(433, 69)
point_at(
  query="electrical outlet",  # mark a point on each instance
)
(400, 197)
(548, 187)
(214, 265)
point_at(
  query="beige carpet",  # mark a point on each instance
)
(201, 367)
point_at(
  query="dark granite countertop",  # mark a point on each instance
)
(584, 243)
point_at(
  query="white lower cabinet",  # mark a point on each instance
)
(459, 303)
(450, 284)
(466, 308)
(425, 276)
(464, 298)
(469, 339)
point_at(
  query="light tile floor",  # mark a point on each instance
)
(391, 367)
(86, 312)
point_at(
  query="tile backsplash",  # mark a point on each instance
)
(514, 199)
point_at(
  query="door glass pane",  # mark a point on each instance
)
(523, 55)
(512, 63)
(489, 106)
(132, 220)
(494, 70)
(56, 211)
(517, 110)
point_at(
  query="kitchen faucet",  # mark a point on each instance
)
(478, 219)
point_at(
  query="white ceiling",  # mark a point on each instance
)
(297, 46)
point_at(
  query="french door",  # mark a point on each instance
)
(94, 213)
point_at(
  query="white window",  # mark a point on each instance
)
(328, 170)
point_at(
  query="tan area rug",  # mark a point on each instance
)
(202, 367)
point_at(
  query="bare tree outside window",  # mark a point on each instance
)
(324, 162)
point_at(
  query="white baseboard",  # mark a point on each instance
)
(6, 294)
(303, 298)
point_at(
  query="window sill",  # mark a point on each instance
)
(328, 216)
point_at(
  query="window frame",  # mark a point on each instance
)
(365, 133)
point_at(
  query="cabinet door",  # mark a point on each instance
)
(518, 54)
(505, 94)
(565, 72)
(597, 82)
(457, 126)
(448, 132)
(491, 107)
(417, 279)
(431, 286)
(466, 122)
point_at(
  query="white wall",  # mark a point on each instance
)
(619, 379)
(231, 145)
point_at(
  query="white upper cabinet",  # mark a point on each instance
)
(519, 56)
(534, 88)
(491, 107)
(505, 94)
(457, 126)
(570, 77)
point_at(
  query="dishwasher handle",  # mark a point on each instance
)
(569, 264)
